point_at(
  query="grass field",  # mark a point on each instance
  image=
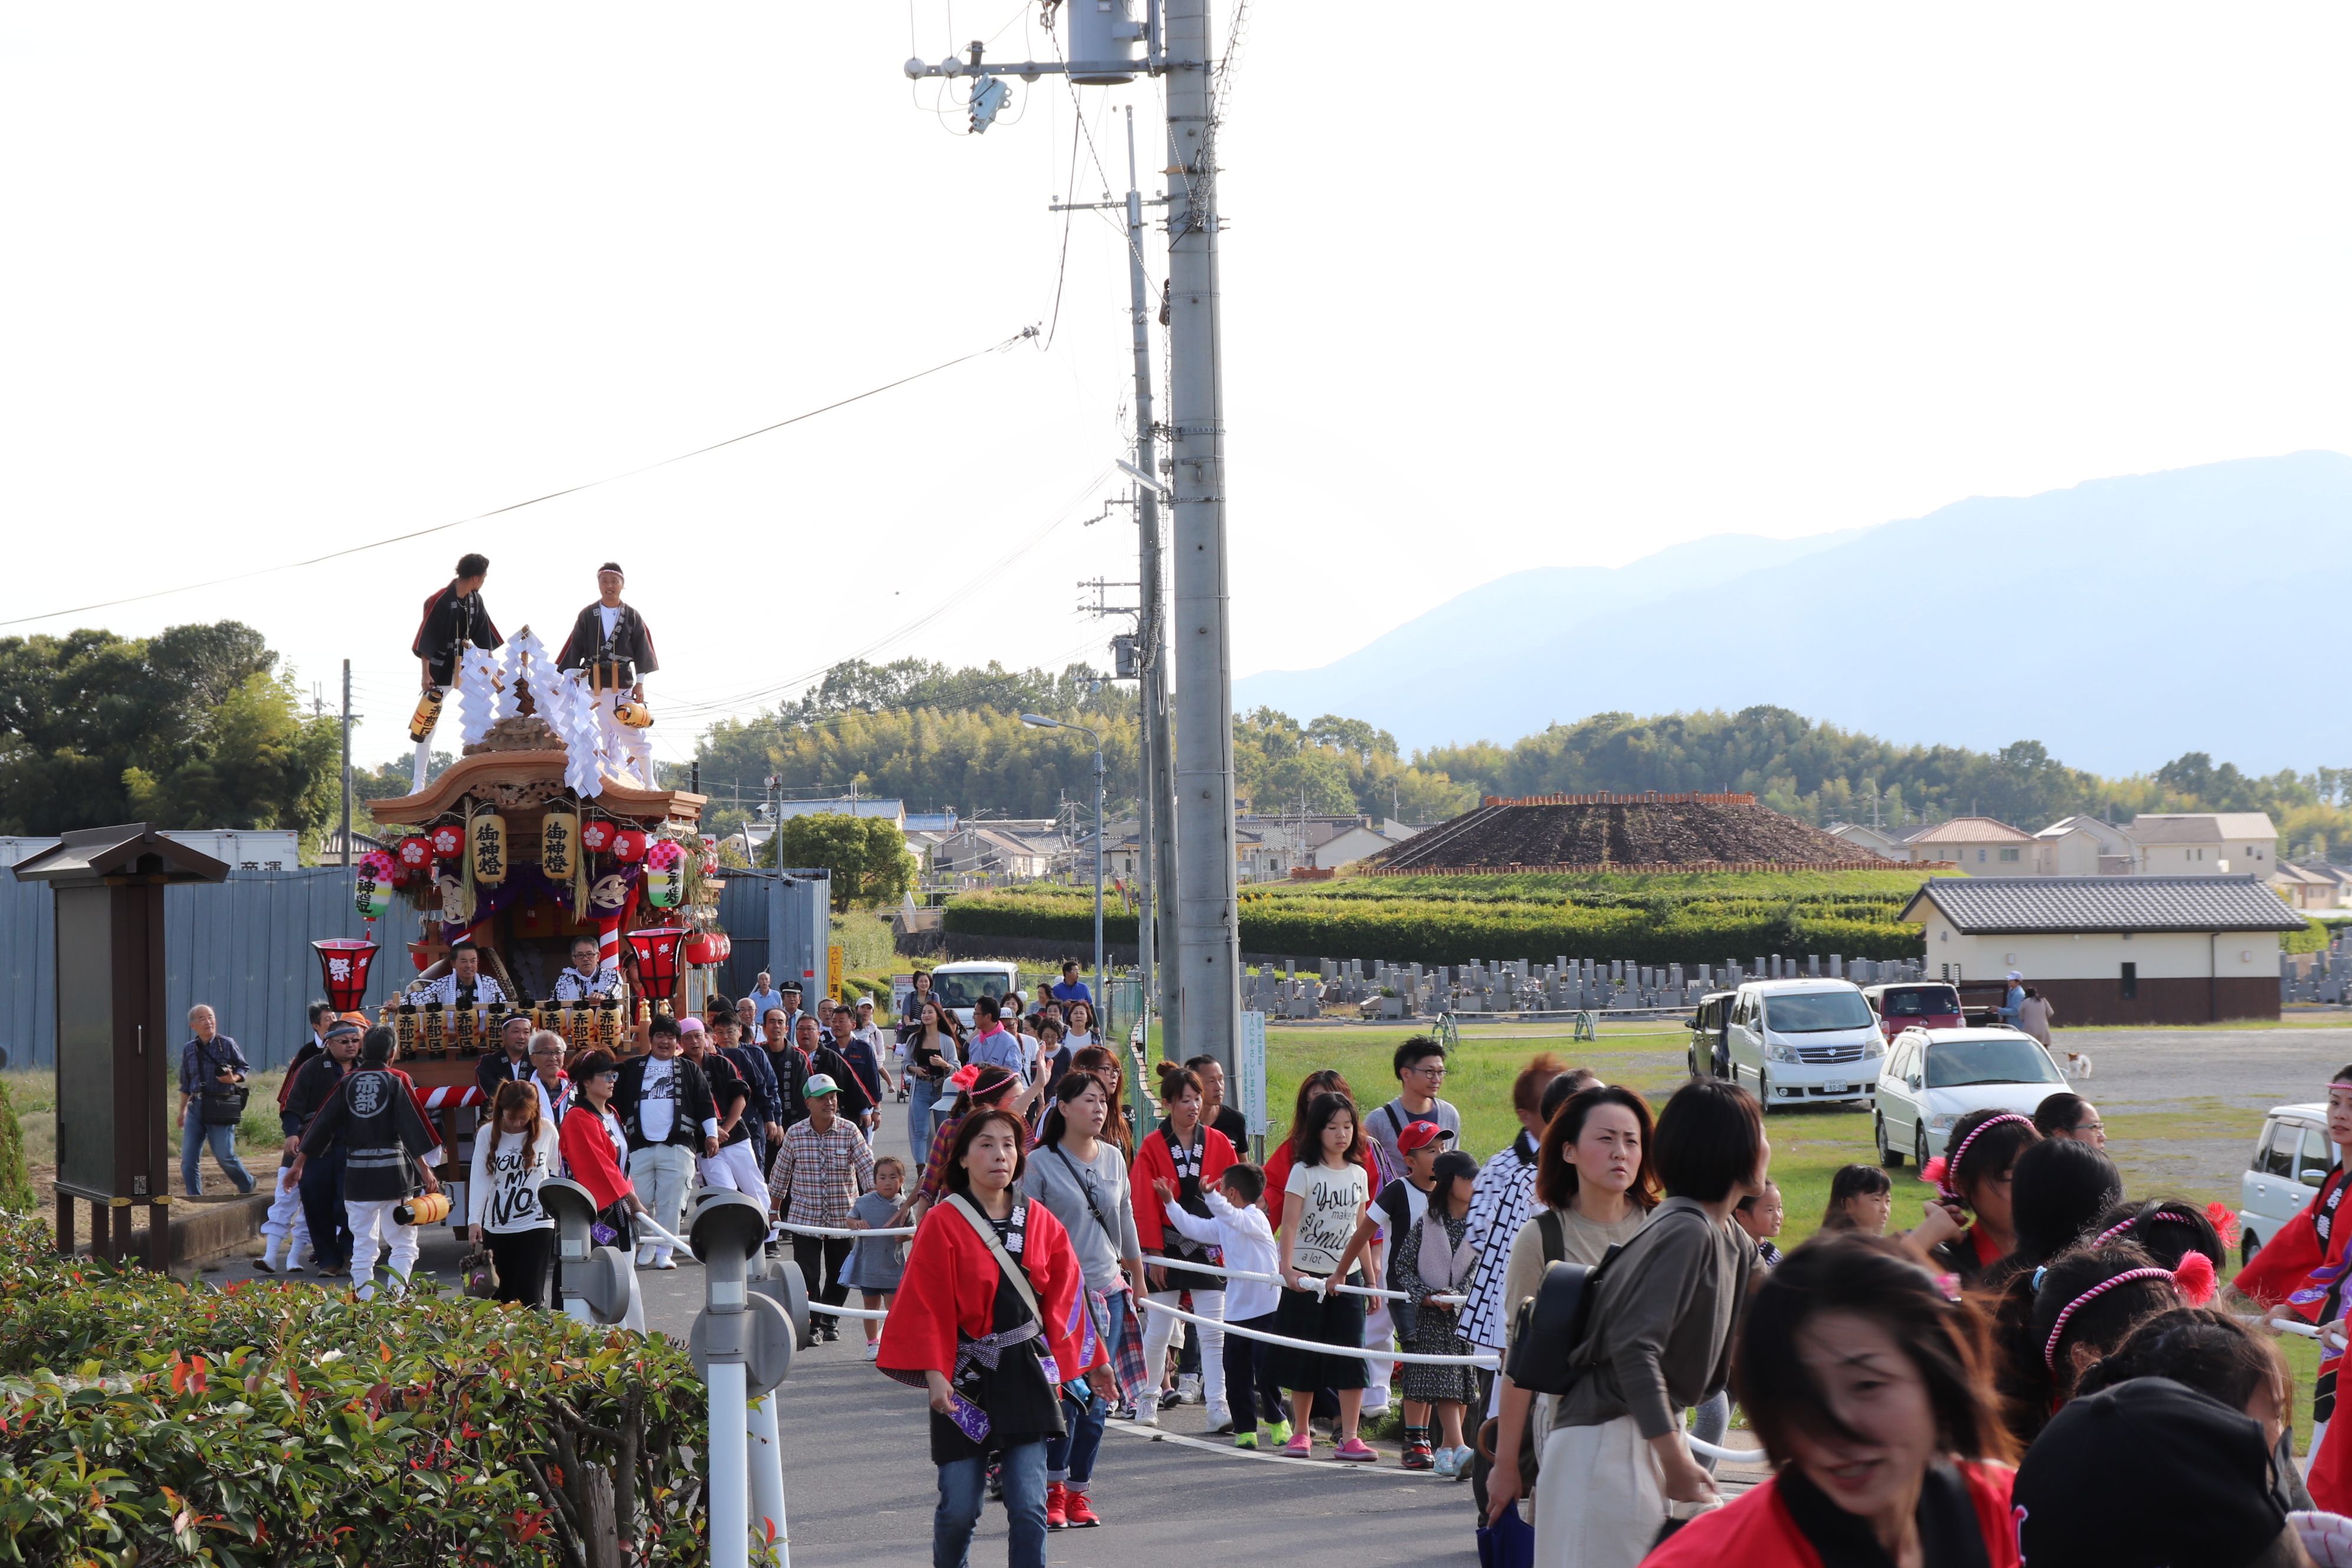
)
(1807, 1146)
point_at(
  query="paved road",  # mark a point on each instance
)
(859, 1484)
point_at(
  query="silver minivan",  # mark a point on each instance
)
(1803, 1042)
(2291, 1158)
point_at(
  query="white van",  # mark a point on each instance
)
(958, 985)
(2291, 1158)
(1803, 1042)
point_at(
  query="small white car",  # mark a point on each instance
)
(1802, 1042)
(2290, 1159)
(1935, 1077)
(958, 985)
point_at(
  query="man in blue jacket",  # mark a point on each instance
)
(212, 1069)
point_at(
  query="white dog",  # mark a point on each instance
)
(2078, 1065)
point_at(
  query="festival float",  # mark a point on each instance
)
(542, 832)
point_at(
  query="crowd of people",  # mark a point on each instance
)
(1999, 1383)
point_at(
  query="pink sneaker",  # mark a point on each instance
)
(1356, 1450)
(1299, 1448)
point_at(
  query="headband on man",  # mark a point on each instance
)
(1936, 1169)
(2194, 1279)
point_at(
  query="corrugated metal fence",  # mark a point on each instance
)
(244, 949)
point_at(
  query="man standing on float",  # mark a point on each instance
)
(454, 618)
(610, 645)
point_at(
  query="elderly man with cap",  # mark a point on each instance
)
(2014, 1003)
(320, 1179)
(613, 648)
(823, 1167)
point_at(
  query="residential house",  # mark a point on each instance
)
(2312, 884)
(2204, 844)
(2113, 949)
(2085, 847)
(1887, 843)
(1358, 842)
(1980, 846)
(993, 852)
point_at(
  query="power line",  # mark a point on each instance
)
(535, 501)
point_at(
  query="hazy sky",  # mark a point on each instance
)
(1553, 285)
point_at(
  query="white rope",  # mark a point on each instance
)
(827, 1230)
(819, 1310)
(1707, 1450)
(1416, 1358)
(2286, 1326)
(1182, 1263)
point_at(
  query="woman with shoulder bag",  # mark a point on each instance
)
(1594, 1190)
(983, 1321)
(514, 1152)
(931, 1056)
(1656, 1341)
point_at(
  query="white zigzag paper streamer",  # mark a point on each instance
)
(477, 694)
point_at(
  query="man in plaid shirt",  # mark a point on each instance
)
(822, 1167)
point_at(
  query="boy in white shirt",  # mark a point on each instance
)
(1237, 1228)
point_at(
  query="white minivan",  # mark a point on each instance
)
(958, 985)
(1803, 1042)
(2291, 1158)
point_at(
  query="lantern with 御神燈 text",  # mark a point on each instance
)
(559, 845)
(488, 832)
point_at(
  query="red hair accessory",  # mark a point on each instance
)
(2194, 1279)
(964, 1076)
(1943, 1168)
(2225, 1224)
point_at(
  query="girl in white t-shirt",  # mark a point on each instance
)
(514, 1152)
(1322, 1202)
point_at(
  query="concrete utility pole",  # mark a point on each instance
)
(1208, 951)
(1156, 827)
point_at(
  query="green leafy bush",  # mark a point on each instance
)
(17, 1195)
(1703, 918)
(278, 1423)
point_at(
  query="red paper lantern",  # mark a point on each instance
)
(657, 953)
(628, 846)
(447, 840)
(343, 962)
(709, 947)
(596, 835)
(415, 855)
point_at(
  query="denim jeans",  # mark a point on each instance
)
(964, 1488)
(1070, 1457)
(195, 1135)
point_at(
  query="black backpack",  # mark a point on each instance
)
(1551, 1324)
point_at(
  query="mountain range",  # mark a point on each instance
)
(2121, 622)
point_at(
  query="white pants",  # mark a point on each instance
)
(369, 1222)
(1599, 1501)
(661, 1172)
(1379, 1334)
(734, 1166)
(627, 751)
(1160, 1331)
(285, 1221)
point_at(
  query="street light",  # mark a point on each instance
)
(1039, 721)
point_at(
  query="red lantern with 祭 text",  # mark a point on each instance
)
(596, 837)
(447, 839)
(628, 846)
(343, 962)
(656, 951)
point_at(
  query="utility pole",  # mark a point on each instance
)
(1155, 821)
(346, 764)
(1208, 948)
